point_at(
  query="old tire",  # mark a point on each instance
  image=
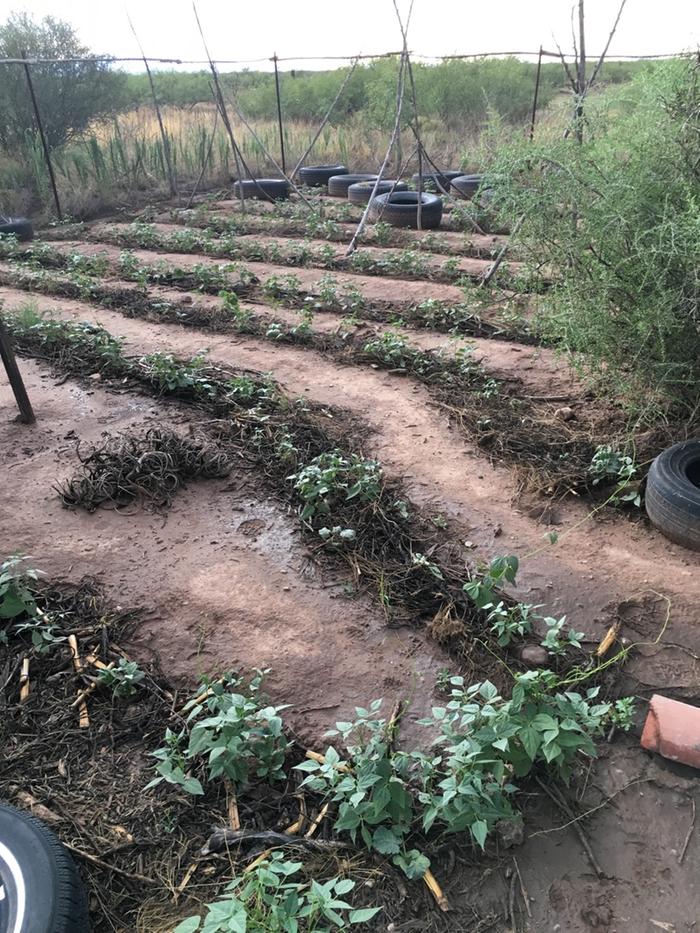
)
(361, 191)
(466, 186)
(338, 184)
(401, 209)
(17, 226)
(673, 493)
(316, 176)
(267, 189)
(42, 890)
(431, 179)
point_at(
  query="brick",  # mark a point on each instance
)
(672, 729)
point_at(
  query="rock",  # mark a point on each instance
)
(672, 729)
(510, 832)
(96, 377)
(534, 656)
(565, 413)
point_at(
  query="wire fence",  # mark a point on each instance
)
(463, 56)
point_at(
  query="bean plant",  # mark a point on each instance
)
(273, 899)
(229, 732)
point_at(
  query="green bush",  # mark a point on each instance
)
(616, 222)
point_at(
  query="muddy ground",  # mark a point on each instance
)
(226, 581)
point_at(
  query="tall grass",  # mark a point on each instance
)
(121, 161)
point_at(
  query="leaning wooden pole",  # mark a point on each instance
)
(536, 95)
(7, 354)
(325, 119)
(163, 135)
(219, 98)
(352, 246)
(44, 143)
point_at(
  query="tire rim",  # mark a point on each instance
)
(13, 893)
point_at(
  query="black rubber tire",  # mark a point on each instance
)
(338, 184)
(431, 179)
(42, 888)
(361, 191)
(266, 189)
(673, 493)
(466, 186)
(18, 226)
(316, 176)
(401, 209)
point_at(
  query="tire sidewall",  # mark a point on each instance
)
(27, 859)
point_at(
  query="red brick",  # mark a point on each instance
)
(672, 729)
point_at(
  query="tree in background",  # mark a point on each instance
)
(70, 94)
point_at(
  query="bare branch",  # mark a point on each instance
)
(607, 46)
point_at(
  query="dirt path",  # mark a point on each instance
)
(223, 574)
(593, 568)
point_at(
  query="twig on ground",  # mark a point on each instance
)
(134, 876)
(559, 800)
(523, 889)
(681, 855)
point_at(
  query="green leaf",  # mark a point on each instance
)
(479, 830)
(189, 925)
(12, 606)
(386, 841)
(344, 885)
(363, 914)
(192, 786)
(413, 863)
(531, 741)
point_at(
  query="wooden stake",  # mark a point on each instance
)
(24, 681)
(608, 639)
(437, 892)
(7, 354)
(233, 815)
(83, 717)
(317, 822)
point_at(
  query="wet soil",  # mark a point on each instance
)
(225, 581)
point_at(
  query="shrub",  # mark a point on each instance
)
(615, 221)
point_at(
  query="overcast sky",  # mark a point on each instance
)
(238, 29)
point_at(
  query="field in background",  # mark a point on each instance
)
(465, 110)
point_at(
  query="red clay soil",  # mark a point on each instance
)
(214, 574)
(594, 567)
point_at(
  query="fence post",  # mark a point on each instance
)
(44, 144)
(537, 92)
(279, 112)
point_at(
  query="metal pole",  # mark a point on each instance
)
(7, 354)
(537, 92)
(279, 112)
(59, 212)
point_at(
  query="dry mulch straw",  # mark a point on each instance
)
(150, 468)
